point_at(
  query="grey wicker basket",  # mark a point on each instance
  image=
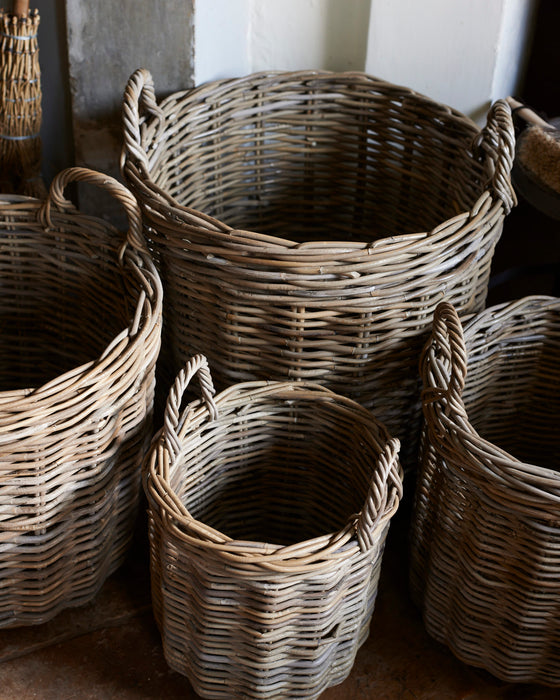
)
(81, 325)
(269, 508)
(307, 224)
(485, 545)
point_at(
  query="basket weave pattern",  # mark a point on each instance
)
(81, 325)
(268, 512)
(307, 224)
(485, 556)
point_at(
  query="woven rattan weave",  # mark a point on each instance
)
(485, 565)
(269, 509)
(307, 224)
(81, 326)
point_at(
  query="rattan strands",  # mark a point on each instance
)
(81, 326)
(485, 545)
(20, 104)
(306, 224)
(269, 506)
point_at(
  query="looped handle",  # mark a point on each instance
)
(55, 197)
(139, 92)
(388, 470)
(175, 423)
(497, 142)
(444, 360)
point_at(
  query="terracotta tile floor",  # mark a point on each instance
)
(110, 649)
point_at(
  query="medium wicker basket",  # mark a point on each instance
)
(81, 326)
(268, 513)
(307, 224)
(485, 566)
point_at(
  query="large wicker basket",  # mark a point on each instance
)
(307, 224)
(485, 566)
(268, 509)
(81, 326)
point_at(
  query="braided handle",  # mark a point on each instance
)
(139, 92)
(388, 474)
(443, 363)
(496, 142)
(55, 197)
(175, 422)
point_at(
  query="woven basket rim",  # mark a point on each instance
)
(314, 552)
(531, 479)
(20, 401)
(236, 244)
(256, 242)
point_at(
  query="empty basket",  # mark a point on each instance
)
(485, 566)
(268, 512)
(81, 325)
(307, 224)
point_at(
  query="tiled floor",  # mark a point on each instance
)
(110, 650)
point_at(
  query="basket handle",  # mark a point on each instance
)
(175, 422)
(388, 473)
(139, 92)
(135, 236)
(447, 342)
(497, 141)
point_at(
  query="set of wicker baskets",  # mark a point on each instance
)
(307, 226)
(309, 230)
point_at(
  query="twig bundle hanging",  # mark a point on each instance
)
(307, 224)
(485, 555)
(268, 512)
(20, 104)
(80, 328)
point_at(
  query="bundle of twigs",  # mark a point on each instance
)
(20, 102)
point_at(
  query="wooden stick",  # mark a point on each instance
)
(526, 113)
(21, 8)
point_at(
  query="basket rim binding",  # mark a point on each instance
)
(443, 366)
(494, 145)
(132, 253)
(359, 534)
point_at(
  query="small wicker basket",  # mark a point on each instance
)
(307, 224)
(268, 512)
(81, 326)
(485, 565)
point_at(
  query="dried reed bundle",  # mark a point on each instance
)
(20, 104)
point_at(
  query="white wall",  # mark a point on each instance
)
(237, 37)
(464, 53)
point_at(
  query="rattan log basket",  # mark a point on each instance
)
(269, 507)
(485, 554)
(306, 224)
(81, 327)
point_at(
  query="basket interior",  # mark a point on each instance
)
(327, 158)
(280, 472)
(512, 390)
(63, 296)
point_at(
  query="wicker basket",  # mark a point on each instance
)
(268, 511)
(485, 564)
(81, 326)
(367, 203)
